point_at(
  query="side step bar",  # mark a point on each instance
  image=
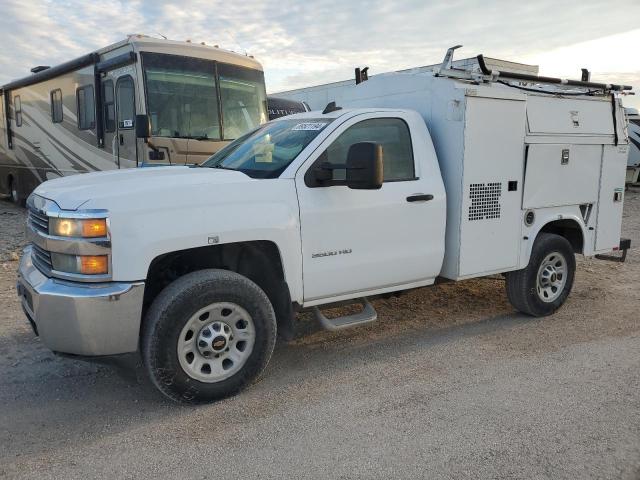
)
(625, 244)
(367, 315)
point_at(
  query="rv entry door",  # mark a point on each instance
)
(125, 140)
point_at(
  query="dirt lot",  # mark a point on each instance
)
(450, 383)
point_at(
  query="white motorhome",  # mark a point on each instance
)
(633, 164)
(410, 179)
(141, 101)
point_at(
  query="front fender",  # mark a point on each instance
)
(268, 211)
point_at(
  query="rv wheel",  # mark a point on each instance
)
(14, 195)
(543, 286)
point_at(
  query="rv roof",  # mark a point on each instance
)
(139, 43)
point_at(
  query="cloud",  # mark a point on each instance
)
(302, 43)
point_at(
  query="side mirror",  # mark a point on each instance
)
(143, 126)
(365, 166)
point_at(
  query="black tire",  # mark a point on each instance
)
(523, 285)
(171, 311)
(14, 191)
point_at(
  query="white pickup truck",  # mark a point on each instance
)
(425, 177)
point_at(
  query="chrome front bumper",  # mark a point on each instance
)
(81, 318)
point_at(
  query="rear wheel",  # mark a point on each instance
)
(543, 286)
(207, 336)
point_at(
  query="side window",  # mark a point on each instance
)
(17, 108)
(86, 108)
(109, 106)
(392, 133)
(126, 103)
(56, 105)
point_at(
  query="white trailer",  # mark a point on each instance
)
(411, 179)
(633, 164)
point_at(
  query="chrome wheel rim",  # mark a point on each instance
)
(552, 277)
(216, 342)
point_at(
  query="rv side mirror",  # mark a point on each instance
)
(143, 126)
(365, 166)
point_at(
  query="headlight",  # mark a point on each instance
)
(82, 264)
(72, 227)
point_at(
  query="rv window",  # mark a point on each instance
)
(392, 133)
(56, 106)
(17, 107)
(182, 100)
(109, 107)
(126, 103)
(86, 108)
(244, 101)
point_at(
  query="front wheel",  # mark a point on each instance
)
(207, 336)
(543, 286)
(14, 193)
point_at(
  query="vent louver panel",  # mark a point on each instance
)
(485, 200)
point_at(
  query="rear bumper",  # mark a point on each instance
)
(91, 319)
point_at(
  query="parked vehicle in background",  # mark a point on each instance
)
(633, 164)
(141, 101)
(280, 107)
(412, 178)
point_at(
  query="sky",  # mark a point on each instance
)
(303, 43)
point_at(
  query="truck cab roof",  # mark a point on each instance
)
(341, 112)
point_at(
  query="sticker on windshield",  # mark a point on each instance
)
(310, 126)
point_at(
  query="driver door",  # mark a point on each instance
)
(354, 241)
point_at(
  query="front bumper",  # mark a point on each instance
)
(89, 319)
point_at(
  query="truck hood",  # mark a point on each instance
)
(70, 193)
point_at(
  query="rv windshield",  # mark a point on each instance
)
(183, 97)
(267, 151)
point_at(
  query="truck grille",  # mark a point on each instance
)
(38, 221)
(41, 259)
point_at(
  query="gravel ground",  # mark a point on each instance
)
(450, 383)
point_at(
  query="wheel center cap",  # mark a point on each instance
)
(219, 343)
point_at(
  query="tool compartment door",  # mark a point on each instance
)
(609, 226)
(547, 115)
(561, 174)
(493, 162)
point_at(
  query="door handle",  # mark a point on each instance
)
(121, 139)
(420, 197)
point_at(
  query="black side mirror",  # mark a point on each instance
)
(365, 166)
(143, 126)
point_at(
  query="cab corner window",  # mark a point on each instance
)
(56, 106)
(392, 133)
(17, 107)
(86, 108)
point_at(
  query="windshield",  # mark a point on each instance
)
(267, 151)
(184, 96)
(244, 101)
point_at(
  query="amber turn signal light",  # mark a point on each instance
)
(93, 265)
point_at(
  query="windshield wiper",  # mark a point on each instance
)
(195, 137)
(217, 165)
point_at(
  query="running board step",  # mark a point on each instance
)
(367, 315)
